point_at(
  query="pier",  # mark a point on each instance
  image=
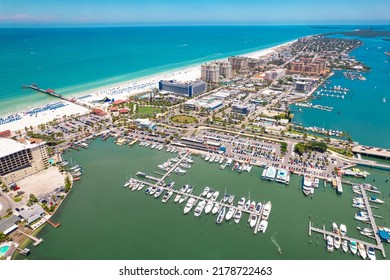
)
(37, 241)
(54, 225)
(372, 151)
(378, 245)
(160, 184)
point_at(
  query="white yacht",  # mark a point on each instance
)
(183, 198)
(241, 203)
(214, 196)
(199, 208)
(153, 190)
(343, 230)
(335, 229)
(190, 203)
(252, 220)
(353, 246)
(266, 210)
(362, 251)
(216, 208)
(263, 226)
(183, 190)
(205, 191)
(209, 194)
(374, 199)
(344, 245)
(231, 199)
(141, 186)
(371, 253)
(329, 243)
(307, 184)
(190, 188)
(237, 216)
(209, 207)
(207, 158)
(167, 196)
(158, 192)
(337, 242)
(230, 213)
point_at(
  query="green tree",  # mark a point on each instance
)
(33, 199)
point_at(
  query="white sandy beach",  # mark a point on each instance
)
(117, 91)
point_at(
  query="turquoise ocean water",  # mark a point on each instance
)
(72, 60)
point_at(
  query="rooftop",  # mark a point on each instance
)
(9, 146)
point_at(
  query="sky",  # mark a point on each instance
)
(192, 12)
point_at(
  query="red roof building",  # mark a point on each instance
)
(98, 112)
(118, 102)
(113, 109)
(124, 111)
(5, 133)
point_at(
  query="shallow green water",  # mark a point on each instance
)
(102, 220)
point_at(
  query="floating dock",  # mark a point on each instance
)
(37, 241)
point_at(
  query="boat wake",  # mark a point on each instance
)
(276, 243)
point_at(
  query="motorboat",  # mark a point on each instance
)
(216, 208)
(141, 186)
(215, 196)
(182, 190)
(362, 251)
(237, 216)
(371, 253)
(329, 243)
(153, 190)
(374, 199)
(225, 198)
(335, 228)
(252, 206)
(247, 204)
(158, 192)
(361, 216)
(353, 246)
(266, 210)
(210, 193)
(209, 207)
(230, 213)
(241, 202)
(147, 191)
(344, 245)
(231, 199)
(167, 196)
(205, 191)
(263, 226)
(258, 208)
(199, 208)
(190, 203)
(337, 242)
(307, 184)
(221, 215)
(170, 185)
(135, 186)
(343, 230)
(183, 198)
(252, 220)
(190, 188)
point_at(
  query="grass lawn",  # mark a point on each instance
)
(148, 111)
(184, 119)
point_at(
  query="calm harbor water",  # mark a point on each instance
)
(102, 220)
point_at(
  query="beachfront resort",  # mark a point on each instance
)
(236, 113)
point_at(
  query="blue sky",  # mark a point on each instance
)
(183, 12)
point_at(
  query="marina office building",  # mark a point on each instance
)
(19, 160)
(188, 89)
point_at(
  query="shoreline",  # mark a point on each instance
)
(117, 90)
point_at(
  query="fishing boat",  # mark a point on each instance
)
(216, 208)
(237, 216)
(374, 199)
(337, 242)
(362, 251)
(190, 203)
(329, 243)
(371, 253)
(205, 191)
(266, 210)
(263, 226)
(167, 196)
(353, 246)
(344, 245)
(209, 207)
(343, 230)
(199, 208)
(221, 215)
(230, 213)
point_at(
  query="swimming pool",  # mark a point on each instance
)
(3, 250)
